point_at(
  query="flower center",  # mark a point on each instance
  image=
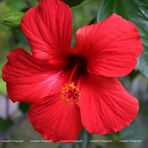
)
(70, 93)
(77, 65)
(80, 62)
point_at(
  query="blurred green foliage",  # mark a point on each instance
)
(11, 20)
(73, 2)
(23, 107)
(5, 124)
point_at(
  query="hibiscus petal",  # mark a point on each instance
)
(29, 79)
(55, 120)
(105, 105)
(110, 47)
(48, 28)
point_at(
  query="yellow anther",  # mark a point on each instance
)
(70, 93)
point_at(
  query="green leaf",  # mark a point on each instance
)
(5, 124)
(12, 19)
(137, 12)
(73, 2)
(16, 4)
(24, 107)
(32, 2)
(83, 141)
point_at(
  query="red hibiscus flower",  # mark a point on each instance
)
(71, 88)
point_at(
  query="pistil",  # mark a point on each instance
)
(70, 93)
